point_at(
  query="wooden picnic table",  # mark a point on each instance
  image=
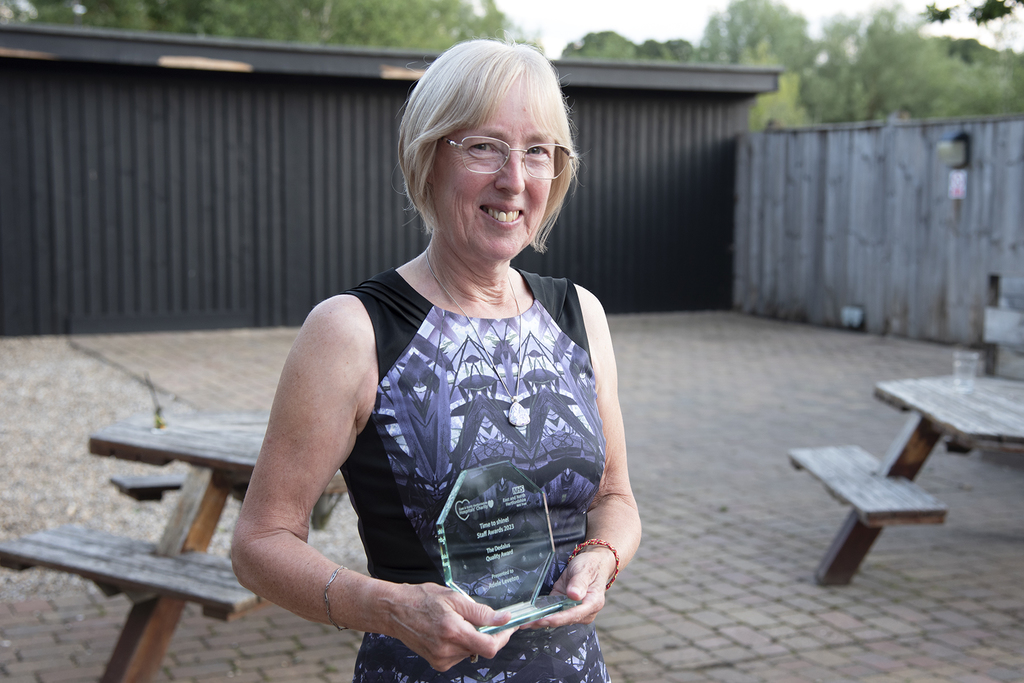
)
(221, 449)
(990, 418)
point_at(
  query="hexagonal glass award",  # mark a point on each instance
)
(497, 544)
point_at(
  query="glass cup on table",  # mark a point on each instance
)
(965, 369)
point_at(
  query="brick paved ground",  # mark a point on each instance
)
(721, 589)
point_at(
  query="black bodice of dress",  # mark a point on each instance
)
(441, 408)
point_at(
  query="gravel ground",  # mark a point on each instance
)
(52, 396)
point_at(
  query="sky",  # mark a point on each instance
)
(558, 22)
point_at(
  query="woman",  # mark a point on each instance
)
(453, 360)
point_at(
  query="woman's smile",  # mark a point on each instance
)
(503, 216)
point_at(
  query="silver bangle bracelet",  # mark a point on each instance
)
(327, 602)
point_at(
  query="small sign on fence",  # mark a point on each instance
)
(957, 184)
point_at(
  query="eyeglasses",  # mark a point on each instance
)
(489, 155)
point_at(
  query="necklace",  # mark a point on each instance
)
(518, 415)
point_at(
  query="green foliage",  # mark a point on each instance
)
(833, 90)
(16, 10)
(127, 14)
(750, 28)
(979, 12)
(863, 68)
(969, 51)
(871, 68)
(603, 45)
(611, 45)
(867, 71)
(676, 50)
(428, 24)
(781, 108)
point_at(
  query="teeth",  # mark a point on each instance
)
(502, 216)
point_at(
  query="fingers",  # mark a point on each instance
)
(583, 580)
(580, 586)
(476, 646)
(478, 614)
(440, 625)
(483, 644)
(584, 613)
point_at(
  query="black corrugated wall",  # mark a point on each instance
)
(650, 226)
(141, 199)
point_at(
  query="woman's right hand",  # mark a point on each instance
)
(440, 624)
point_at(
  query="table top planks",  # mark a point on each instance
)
(225, 441)
(991, 417)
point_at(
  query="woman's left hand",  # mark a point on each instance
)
(584, 579)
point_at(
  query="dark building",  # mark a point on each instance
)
(153, 181)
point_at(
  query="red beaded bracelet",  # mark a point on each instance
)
(604, 544)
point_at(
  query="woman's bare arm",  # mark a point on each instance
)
(325, 396)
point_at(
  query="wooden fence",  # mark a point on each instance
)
(861, 216)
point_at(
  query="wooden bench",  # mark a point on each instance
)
(124, 565)
(881, 493)
(851, 475)
(221, 450)
(158, 578)
(148, 487)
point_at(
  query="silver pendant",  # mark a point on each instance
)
(518, 416)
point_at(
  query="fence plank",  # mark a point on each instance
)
(834, 252)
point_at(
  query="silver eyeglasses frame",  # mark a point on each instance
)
(569, 156)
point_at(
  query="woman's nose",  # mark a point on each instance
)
(513, 174)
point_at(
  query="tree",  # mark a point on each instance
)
(869, 68)
(749, 29)
(863, 68)
(970, 51)
(833, 90)
(603, 45)
(675, 50)
(428, 24)
(980, 12)
(781, 108)
(16, 10)
(611, 45)
(108, 14)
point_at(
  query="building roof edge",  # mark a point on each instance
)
(214, 53)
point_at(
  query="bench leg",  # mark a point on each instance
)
(151, 623)
(848, 550)
(910, 448)
(194, 520)
(905, 458)
(144, 641)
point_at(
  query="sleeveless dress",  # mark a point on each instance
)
(440, 409)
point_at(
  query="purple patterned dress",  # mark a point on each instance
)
(440, 409)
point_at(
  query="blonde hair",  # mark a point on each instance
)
(462, 88)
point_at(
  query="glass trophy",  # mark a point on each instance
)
(497, 544)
